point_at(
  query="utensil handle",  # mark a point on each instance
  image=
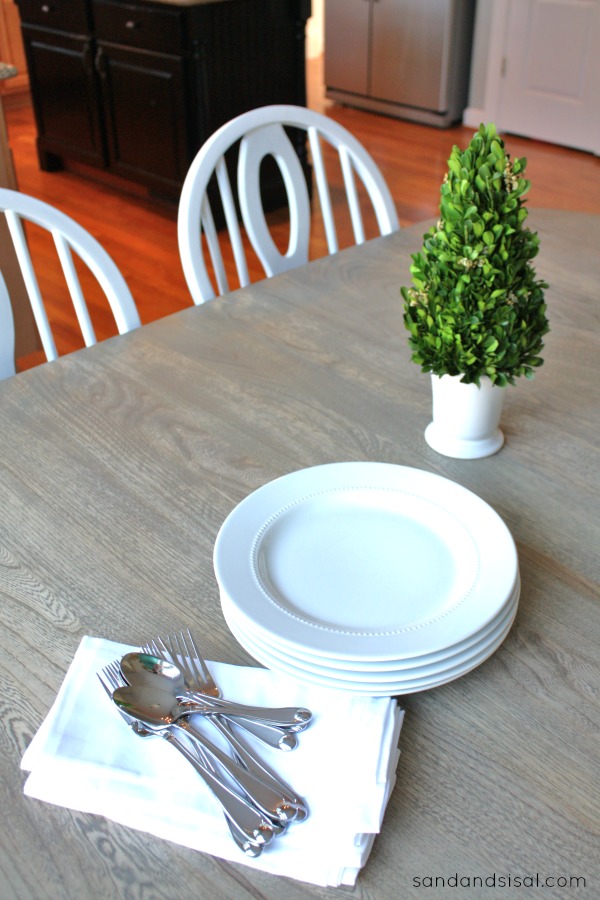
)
(292, 718)
(278, 738)
(269, 800)
(240, 837)
(244, 816)
(255, 765)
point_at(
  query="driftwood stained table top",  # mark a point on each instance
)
(120, 463)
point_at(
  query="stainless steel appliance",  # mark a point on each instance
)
(405, 58)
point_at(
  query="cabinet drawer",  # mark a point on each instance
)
(138, 26)
(63, 15)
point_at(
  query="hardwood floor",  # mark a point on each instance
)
(140, 234)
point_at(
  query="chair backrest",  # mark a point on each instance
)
(7, 333)
(68, 237)
(261, 133)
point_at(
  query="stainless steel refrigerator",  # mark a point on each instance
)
(404, 58)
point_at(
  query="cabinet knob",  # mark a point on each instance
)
(131, 24)
(46, 8)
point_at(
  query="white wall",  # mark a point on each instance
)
(314, 30)
(481, 49)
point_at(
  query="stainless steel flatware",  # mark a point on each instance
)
(160, 689)
(139, 669)
(136, 668)
(248, 827)
(277, 725)
(181, 650)
(158, 709)
(197, 678)
(269, 734)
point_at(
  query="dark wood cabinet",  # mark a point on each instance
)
(63, 87)
(135, 88)
(143, 97)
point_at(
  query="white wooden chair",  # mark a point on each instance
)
(261, 134)
(7, 333)
(69, 237)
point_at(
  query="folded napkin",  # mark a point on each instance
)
(84, 757)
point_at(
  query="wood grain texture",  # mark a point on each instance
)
(140, 234)
(120, 463)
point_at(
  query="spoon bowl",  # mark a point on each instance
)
(159, 709)
(151, 704)
(143, 668)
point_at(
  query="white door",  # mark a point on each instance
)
(551, 84)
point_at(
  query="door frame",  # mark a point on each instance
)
(489, 46)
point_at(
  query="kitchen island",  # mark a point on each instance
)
(134, 89)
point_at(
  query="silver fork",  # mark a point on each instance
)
(204, 682)
(248, 828)
(195, 671)
(269, 798)
(184, 647)
(272, 735)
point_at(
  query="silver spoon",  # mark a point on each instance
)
(292, 718)
(137, 666)
(139, 669)
(158, 708)
(145, 669)
(249, 831)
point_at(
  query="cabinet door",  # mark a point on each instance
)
(347, 40)
(145, 115)
(62, 79)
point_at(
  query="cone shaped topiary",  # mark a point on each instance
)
(475, 307)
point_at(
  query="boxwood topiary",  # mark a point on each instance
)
(475, 307)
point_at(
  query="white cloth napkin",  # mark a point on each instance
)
(84, 757)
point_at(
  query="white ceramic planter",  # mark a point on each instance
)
(466, 418)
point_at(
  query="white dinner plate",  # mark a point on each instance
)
(391, 688)
(365, 561)
(404, 672)
(366, 667)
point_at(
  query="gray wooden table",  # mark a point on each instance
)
(119, 464)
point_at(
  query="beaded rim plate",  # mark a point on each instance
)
(365, 561)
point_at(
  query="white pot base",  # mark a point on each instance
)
(466, 417)
(440, 441)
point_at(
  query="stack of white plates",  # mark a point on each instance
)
(367, 577)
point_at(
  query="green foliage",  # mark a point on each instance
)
(475, 307)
